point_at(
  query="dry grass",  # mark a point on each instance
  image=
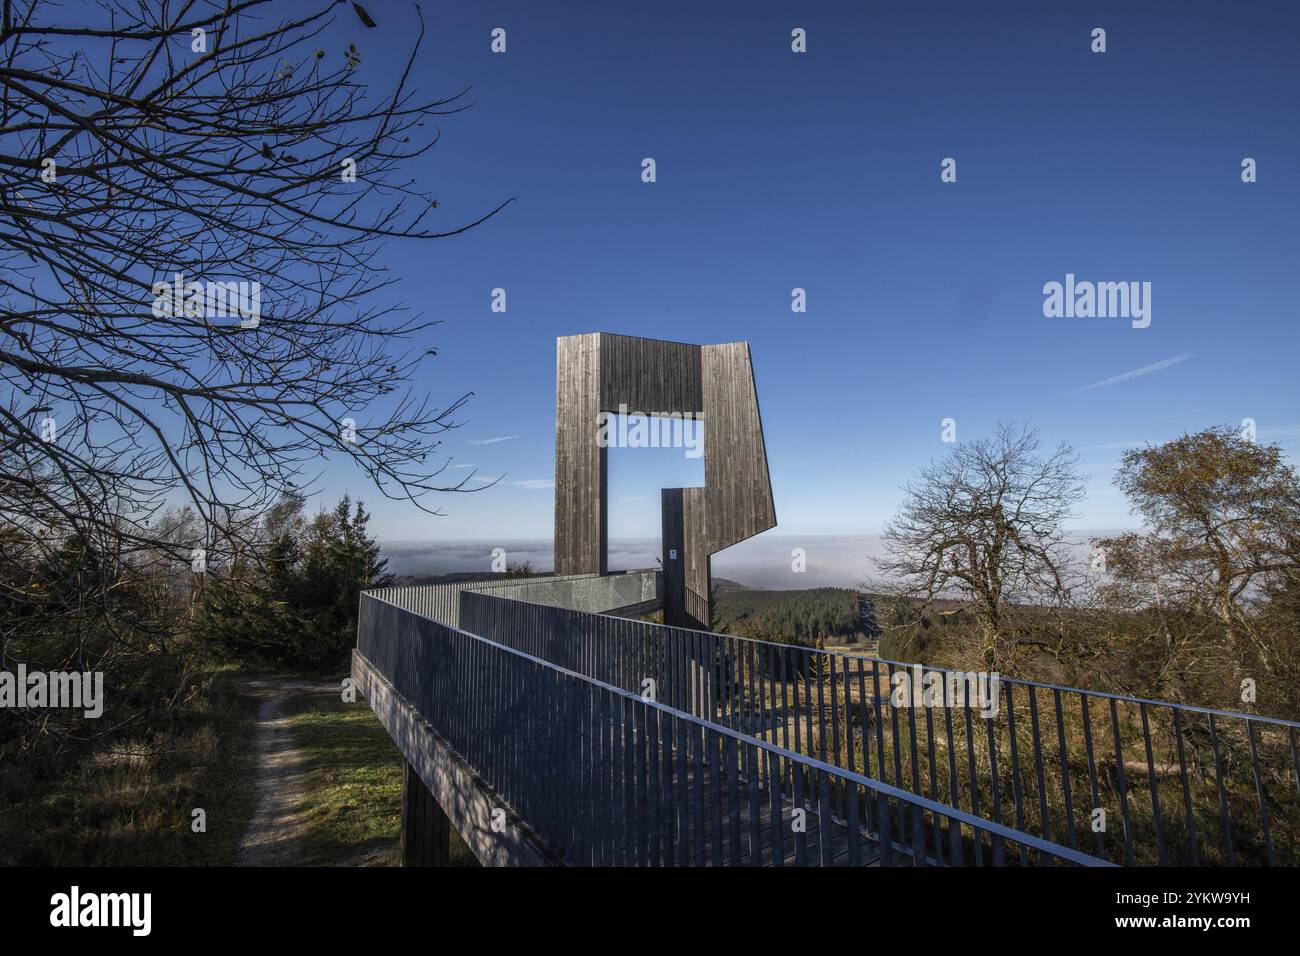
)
(130, 803)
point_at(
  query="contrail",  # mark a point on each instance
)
(491, 441)
(1144, 370)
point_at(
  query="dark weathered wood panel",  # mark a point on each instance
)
(649, 376)
(738, 490)
(698, 600)
(581, 514)
(426, 830)
(674, 556)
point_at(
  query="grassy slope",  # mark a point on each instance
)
(132, 805)
(354, 782)
(354, 785)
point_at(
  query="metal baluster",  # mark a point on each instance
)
(668, 815)
(1154, 784)
(1123, 784)
(1015, 768)
(770, 727)
(776, 821)
(1187, 792)
(654, 798)
(626, 779)
(798, 709)
(800, 836)
(733, 798)
(898, 753)
(853, 829)
(825, 825)
(603, 782)
(912, 746)
(1038, 763)
(716, 776)
(1225, 822)
(849, 736)
(701, 766)
(1295, 759)
(1071, 833)
(996, 788)
(955, 854)
(683, 795)
(883, 841)
(785, 714)
(751, 787)
(808, 701)
(821, 707)
(879, 720)
(835, 714)
(1099, 836)
(1260, 792)
(644, 809)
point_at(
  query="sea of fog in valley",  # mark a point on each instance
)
(766, 561)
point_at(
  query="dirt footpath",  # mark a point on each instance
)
(273, 837)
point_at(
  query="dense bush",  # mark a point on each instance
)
(293, 599)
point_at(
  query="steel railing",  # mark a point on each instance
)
(1125, 779)
(606, 776)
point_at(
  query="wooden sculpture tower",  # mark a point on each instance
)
(602, 373)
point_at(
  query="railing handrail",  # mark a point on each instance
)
(505, 581)
(1019, 681)
(955, 814)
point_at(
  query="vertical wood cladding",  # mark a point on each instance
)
(738, 491)
(686, 573)
(649, 376)
(699, 607)
(580, 512)
(600, 372)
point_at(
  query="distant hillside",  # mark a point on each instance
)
(940, 633)
(810, 617)
(726, 584)
(410, 580)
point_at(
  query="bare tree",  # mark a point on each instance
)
(194, 309)
(153, 157)
(984, 525)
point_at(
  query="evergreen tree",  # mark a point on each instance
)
(297, 601)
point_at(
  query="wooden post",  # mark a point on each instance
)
(426, 830)
(674, 557)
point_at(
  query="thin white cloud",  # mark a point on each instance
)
(1136, 373)
(491, 441)
(464, 466)
(534, 483)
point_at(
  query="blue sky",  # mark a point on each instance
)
(779, 170)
